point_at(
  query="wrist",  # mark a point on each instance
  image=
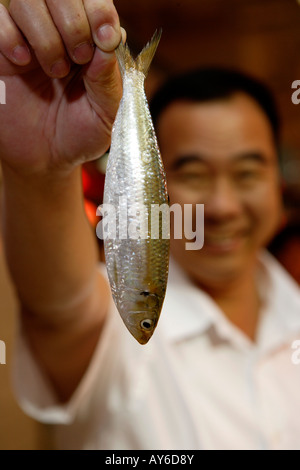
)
(53, 192)
(40, 180)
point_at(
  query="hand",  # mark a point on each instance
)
(63, 85)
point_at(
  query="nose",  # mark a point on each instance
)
(223, 201)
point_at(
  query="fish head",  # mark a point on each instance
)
(140, 311)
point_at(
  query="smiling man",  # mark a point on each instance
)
(223, 154)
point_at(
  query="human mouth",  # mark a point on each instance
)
(220, 243)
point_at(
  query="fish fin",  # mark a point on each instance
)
(143, 60)
(145, 57)
(124, 58)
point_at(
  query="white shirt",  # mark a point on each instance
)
(199, 382)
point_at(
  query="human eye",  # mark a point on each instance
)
(248, 175)
(245, 175)
(193, 176)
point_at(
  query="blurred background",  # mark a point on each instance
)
(260, 37)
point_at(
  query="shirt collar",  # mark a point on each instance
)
(280, 318)
(188, 311)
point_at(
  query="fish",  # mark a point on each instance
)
(137, 260)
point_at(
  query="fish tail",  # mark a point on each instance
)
(143, 61)
(145, 57)
(125, 59)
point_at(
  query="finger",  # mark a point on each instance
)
(71, 21)
(104, 86)
(7, 67)
(34, 20)
(12, 43)
(104, 23)
(124, 35)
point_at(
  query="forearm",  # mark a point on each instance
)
(50, 248)
(52, 255)
(55, 118)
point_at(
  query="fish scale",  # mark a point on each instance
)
(137, 267)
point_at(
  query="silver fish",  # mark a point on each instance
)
(137, 264)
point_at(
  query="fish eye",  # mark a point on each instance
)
(146, 324)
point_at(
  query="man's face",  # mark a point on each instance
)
(222, 154)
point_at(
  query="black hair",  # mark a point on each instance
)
(213, 83)
(282, 238)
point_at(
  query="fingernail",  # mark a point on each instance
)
(83, 53)
(108, 37)
(124, 35)
(21, 55)
(60, 68)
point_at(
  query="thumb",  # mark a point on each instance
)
(103, 84)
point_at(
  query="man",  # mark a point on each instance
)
(223, 154)
(218, 371)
